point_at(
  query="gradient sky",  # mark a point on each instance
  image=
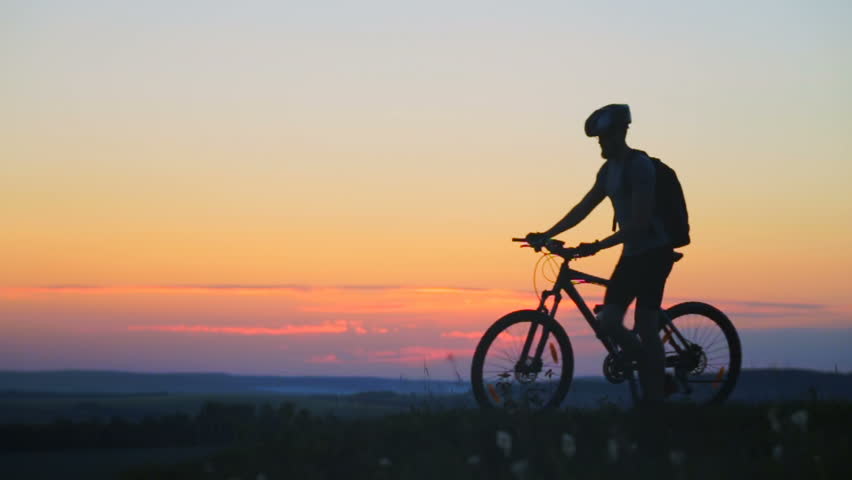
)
(330, 187)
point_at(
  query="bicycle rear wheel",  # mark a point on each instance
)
(501, 379)
(703, 353)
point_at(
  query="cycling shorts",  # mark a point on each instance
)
(642, 277)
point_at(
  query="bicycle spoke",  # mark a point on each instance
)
(719, 336)
(704, 333)
(723, 347)
(722, 357)
(497, 369)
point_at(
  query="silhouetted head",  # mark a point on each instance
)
(609, 124)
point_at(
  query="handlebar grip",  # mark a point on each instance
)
(516, 239)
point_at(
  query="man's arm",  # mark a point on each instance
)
(580, 211)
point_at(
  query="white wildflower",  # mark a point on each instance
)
(774, 423)
(384, 462)
(519, 468)
(800, 419)
(777, 452)
(473, 460)
(569, 445)
(504, 442)
(677, 457)
(612, 450)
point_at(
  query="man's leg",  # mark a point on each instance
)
(656, 267)
(612, 323)
(652, 368)
(619, 294)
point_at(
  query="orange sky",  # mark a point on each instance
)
(386, 145)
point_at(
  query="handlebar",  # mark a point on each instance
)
(556, 247)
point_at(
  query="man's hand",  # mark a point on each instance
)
(588, 249)
(536, 240)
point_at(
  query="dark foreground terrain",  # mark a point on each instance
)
(778, 424)
(788, 440)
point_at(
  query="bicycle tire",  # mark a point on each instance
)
(486, 396)
(726, 385)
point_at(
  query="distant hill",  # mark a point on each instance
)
(109, 382)
(753, 386)
(790, 384)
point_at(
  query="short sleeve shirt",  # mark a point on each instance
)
(620, 179)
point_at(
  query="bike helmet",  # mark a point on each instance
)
(605, 118)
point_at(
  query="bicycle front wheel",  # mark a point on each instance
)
(702, 352)
(502, 379)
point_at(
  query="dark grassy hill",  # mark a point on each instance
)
(232, 440)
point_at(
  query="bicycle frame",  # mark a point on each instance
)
(566, 280)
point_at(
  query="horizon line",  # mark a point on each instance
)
(227, 374)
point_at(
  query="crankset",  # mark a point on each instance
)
(615, 368)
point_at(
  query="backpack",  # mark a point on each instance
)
(669, 204)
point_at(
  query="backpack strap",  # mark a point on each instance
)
(625, 174)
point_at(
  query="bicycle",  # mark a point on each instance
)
(517, 364)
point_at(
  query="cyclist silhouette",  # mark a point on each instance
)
(628, 179)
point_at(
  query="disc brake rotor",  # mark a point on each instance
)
(526, 372)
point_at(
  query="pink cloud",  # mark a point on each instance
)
(415, 355)
(330, 358)
(340, 326)
(458, 291)
(458, 334)
(353, 308)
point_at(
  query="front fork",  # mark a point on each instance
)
(534, 364)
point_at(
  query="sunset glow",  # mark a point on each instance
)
(296, 188)
(290, 330)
